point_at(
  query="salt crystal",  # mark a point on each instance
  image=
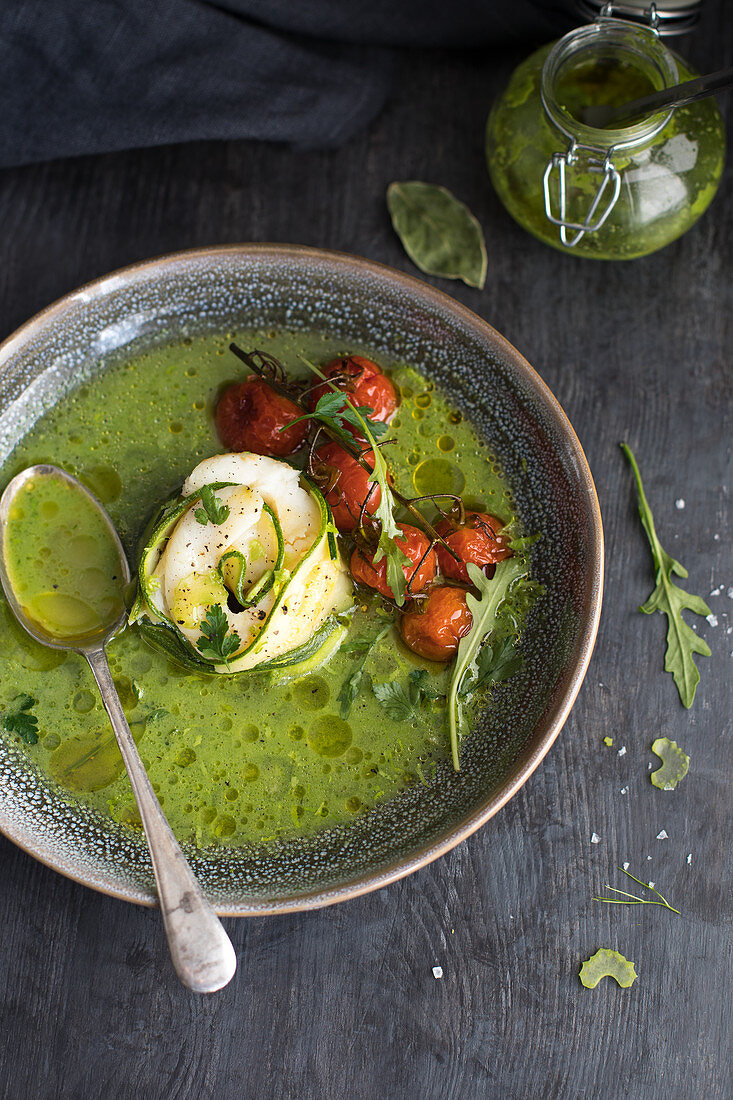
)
(624, 790)
(648, 857)
(437, 971)
(679, 504)
(716, 538)
(712, 619)
(622, 751)
(648, 767)
(716, 591)
(664, 835)
(626, 866)
(650, 885)
(729, 593)
(595, 839)
(689, 857)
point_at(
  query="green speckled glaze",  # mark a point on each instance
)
(248, 758)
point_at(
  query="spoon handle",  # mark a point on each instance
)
(201, 951)
(678, 96)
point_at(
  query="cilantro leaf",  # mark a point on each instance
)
(419, 687)
(21, 722)
(607, 964)
(216, 643)
(484, 609)
(674, 767)
(213, 510)
(671, 600)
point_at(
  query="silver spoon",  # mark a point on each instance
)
(668, 99)
(201, 951)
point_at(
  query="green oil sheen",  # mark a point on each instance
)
(62, 560)
(243, 759)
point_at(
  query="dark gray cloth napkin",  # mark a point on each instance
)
(89, 76)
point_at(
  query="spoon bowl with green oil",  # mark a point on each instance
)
(64, 572)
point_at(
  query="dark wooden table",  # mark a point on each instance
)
(343, 1002)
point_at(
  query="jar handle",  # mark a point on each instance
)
(559, 163)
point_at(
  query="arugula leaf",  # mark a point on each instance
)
(402, 704)
(671, 600)
(674, 767)
(351, 685)
(23, 723)
(607, 964)
(216, 643)
(387, 546)
(484, 609)
(213, 510)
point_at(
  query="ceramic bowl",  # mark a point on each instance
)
(272, 286)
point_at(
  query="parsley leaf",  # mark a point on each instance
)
(395, 701)
(494, 664)
(607, 964)
(484, 609)
(350, 687)
(667, 597)
(21, 722)
(335, 410)
(216, 643)
(213, 510)
(402, 704)
(387, 546)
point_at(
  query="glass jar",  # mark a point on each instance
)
(607, 194)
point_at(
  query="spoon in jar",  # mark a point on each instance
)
(604, 117)
(63, 570)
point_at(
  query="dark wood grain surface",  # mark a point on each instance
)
(343, 1002)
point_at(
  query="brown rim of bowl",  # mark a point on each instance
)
(531, 757)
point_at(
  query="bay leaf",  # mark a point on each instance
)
(438, 232)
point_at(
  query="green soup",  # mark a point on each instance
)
(62, 560)
(235, 760)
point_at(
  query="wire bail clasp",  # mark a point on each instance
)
(597, 161)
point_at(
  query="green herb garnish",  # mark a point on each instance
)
(438, 232)
(607, 964)
(213, 510)
(667, 597)
(495, 663)
(389, 531)
(632, 899)
(21, 722)
(401, 703)
(350, 687)
(216, 643)
(484, 609)
(674, 767)
(335, 411)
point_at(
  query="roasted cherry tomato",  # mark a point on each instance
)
(433, 627)
(363, 381)
(480, 541)
(419, 575)
(249, 417)
(349, 485)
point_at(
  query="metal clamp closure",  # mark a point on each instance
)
(598, 161)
